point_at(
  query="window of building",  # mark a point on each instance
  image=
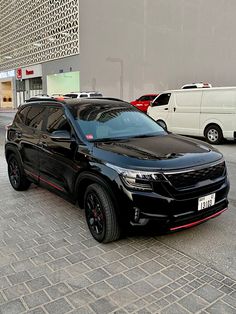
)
(20, 86)
(35, 83)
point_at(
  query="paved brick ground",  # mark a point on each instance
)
(50, 264)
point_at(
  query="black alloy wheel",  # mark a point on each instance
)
(100, 214)
(16, 174)
(94, 214)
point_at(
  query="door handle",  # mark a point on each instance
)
(166, 109)
(174, 109)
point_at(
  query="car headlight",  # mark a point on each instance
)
(138, 180)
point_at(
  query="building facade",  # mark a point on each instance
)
(123, 48)
(33, 35)
(133, 47)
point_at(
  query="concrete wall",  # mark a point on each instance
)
(158, 44)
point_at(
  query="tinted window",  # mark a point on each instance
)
(71, 95)
(152, 97)
(189, 87)
(57, 121)
(21, 115)
(34, 117)
(83, 95)
(95, 95)
(143, 98)
(113, 121)
(162, 100)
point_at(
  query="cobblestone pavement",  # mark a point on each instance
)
(50, 264)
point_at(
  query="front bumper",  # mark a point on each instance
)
(197, 222)
(173, 211)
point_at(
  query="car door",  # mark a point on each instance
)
(29, 136)
(160, 109)
(58, 168)
(185, 112)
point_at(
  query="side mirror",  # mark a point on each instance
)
(151, 103)
(61, 136)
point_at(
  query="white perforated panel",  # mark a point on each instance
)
(37, 30)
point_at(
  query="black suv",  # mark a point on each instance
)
(117, 163)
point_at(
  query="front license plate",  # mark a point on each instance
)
(206, 201)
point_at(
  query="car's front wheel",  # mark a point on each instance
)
(16, 174)
(101, 214)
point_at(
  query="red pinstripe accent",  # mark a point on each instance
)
(32, 174)
(198, 221)
(47, 182)
(51, 184)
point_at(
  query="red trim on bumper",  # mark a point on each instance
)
(198, 221)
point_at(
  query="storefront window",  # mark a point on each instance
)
(35, 83)
(20, 86)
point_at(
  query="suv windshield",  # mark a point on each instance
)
(111, 122)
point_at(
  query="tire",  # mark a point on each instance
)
(16, 174)
(162, 124)
(100, 214)
(213, 134)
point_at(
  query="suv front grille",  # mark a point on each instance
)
(191, 178)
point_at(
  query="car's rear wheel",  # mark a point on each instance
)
(16, 174)
(100, 214)
(213, 134)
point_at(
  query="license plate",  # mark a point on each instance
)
(206, 201)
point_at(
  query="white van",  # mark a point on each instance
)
(208, 112)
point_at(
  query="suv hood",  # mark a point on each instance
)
(158, 152)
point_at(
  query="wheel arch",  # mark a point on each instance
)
(162, 121)
(12, 149)
(212, 124)
(88, 177)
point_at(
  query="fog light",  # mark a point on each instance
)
(136, 214)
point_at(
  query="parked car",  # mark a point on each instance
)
(196, 85)
(209, 112)
(143, 102)
(84, 94)
(94, 152)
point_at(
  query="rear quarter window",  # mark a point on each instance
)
(21, 115)
(34, 117)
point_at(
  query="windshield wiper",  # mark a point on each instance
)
(110, 139)
(144, 135)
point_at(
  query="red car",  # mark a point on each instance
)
(143, 102)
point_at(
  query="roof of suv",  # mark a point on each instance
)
(76, 101)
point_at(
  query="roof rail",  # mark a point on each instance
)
(32, 99)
